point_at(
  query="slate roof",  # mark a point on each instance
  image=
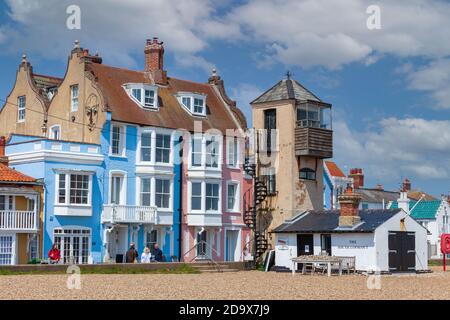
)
(170, 114)
(423, 210)
(376, 195)
(8, 174)
(327, 221)
(284, 90)
(334, 170)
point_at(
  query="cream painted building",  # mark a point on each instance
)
(295, 135)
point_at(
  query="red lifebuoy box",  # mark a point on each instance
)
(445, 247)
(445, 243)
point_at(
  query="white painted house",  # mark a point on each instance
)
(384, 240)
(433, 215)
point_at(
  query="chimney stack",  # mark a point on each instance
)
(154, 60)
(406, 185)
(349, 208)
(3, 158)
(358, 177)
(403, 201)
(379, 187)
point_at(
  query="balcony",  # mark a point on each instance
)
(19, 221)
(129, 214)
(313, 141)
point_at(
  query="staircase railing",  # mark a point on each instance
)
(205, 254)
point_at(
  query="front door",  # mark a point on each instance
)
(118, 244)
(202, 244)
(231, 245)
(402, 251)
(305, 246)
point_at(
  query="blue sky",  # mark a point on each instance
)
(390, 88)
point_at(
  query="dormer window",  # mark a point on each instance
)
(143, 94)
(195, 103)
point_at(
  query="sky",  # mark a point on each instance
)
(389, 86)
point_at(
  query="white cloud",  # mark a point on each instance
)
(117, 28)
(412, 147)
(435, 79)
(189, 61)
(334, 33)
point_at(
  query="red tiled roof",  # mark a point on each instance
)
(170, 114)
(10, 175)
(334, 169)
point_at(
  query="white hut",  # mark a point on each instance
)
(381, 240)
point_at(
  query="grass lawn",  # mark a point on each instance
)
(183, 269)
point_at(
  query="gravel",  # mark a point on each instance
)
(233, 285)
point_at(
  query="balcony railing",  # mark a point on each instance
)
(128, 214)
(310, 141)
(18, 220)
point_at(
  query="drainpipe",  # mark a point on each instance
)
(180, 207)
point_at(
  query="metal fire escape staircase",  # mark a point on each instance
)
(253, 212)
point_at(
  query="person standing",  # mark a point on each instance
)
(157, 253)
(146, 256)
(54, 254)
(131, 254)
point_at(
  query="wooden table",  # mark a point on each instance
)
(328, 260)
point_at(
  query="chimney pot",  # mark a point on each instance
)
(3, 158)
(406, 185)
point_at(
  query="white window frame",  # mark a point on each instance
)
(65, 234)
(129, 87)
(10, 202)
(191, 96)
(152, 190)
(153, 133)
(52, 131)
(13, 246)
(165, 194)
(219, 190)
(122, 140)
(74, 99)
(203, 183)
(123, 187)
(237, 197)
(67, 189)
(204, 138)
(233, 149)
(21, 108)
(163, 148)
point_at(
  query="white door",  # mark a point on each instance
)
(118, 243)
(7, 249)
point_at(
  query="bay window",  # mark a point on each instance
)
(313, 115)
(74, 189)
(156, 191)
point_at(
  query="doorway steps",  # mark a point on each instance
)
(219, 267)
